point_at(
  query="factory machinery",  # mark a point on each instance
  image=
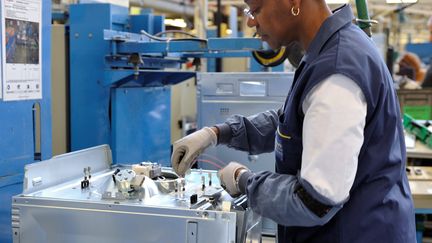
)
(121, 69)
(82, 197)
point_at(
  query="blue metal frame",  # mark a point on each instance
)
(89, 96)
(112, 101)
(58, 15)
(17, 142)
(141, 120)
(126, 43)
(187, 46)
(147, 21)
(110, 57)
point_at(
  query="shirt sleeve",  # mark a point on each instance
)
(332, 138)
(335, 117)
(254, 134)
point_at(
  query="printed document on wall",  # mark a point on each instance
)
(22, 48)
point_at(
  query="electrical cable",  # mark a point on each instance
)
(210, 162)
(175, 32)
(157, 38)
(214, 158)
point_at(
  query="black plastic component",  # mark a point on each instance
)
(389, 59)
(193, 199)
(85, 183)
(115, 173)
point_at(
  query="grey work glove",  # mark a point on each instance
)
(185, 150)
(228, 178)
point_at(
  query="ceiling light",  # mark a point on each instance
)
(401, 1)
(175, 23)
(337, 1)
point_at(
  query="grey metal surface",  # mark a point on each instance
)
(221, 95)
(62, 221)
(62, 168)
(59, 210)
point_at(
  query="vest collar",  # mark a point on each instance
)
(340, 17)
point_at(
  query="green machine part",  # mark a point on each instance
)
(363, 17)
(421, 132)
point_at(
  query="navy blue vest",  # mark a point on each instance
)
(380, 207)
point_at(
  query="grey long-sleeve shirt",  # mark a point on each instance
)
(332, 138)
(254, 134)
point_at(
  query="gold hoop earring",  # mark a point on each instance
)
(295, 13)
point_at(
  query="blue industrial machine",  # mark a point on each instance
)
(25, 132)
(120, 83)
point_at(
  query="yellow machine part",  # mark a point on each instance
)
(270, 58)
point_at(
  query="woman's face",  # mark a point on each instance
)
(273, 21)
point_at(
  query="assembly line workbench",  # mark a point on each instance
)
(420, 151)
(420, 181)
